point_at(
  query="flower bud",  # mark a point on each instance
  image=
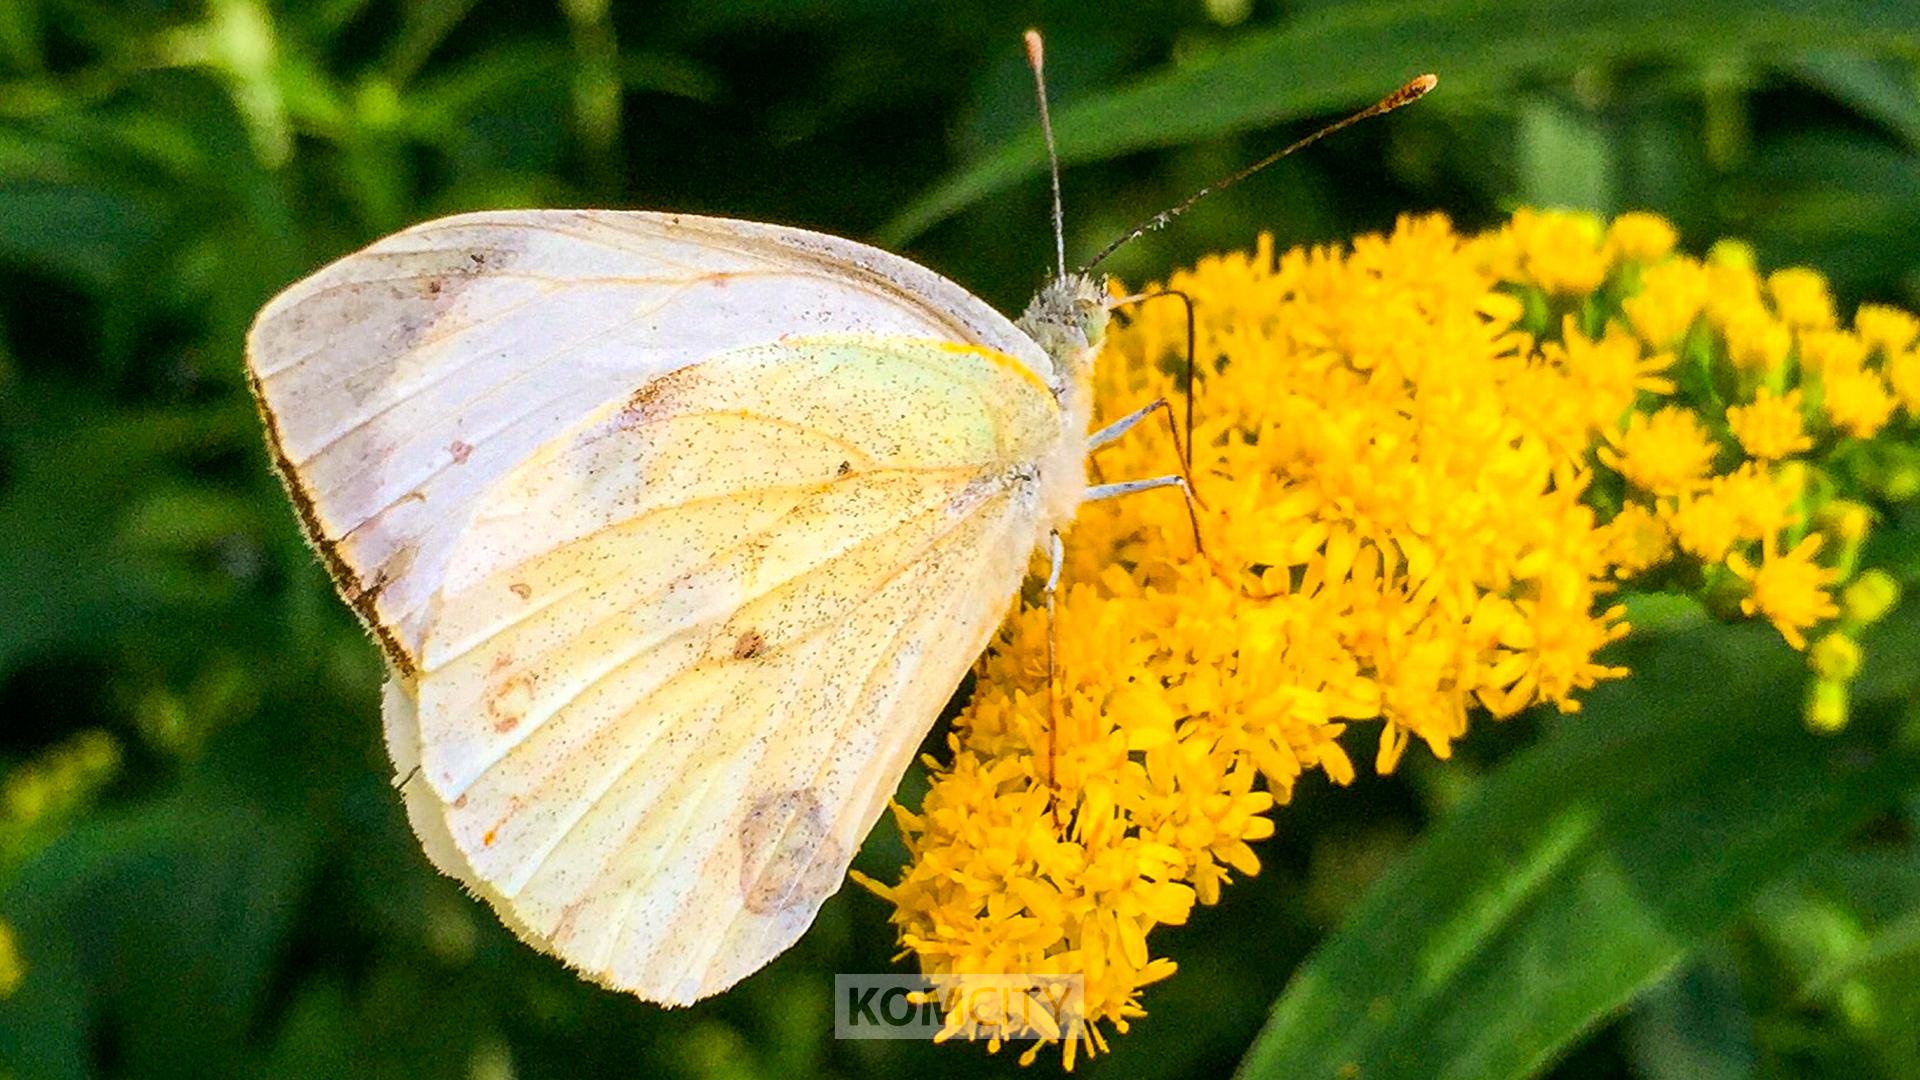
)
(1869, 597)
(1835, 657)
(1827, 706)
(1737, 254)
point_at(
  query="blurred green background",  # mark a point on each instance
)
(203, 868)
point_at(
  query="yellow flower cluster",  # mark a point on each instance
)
(1731, 484)
(1424, 462)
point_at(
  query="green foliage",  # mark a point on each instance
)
(1678, 882)
(1487, 50)
(1597, 862)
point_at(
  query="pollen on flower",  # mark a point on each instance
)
(1747, 504)
(1757, 343)
(1411, 517)
(1903, 378)
(1666, 453)
(1825, 351)
(1772, 427)
(1857, 401)
(1789, 589)
(1887, 328)
(1641, 237)
(1672, 295)
(1733, 287)
(1800, 298)
(1704, 526)
(1764, 500)
(1637, 541)
(1605, 375)
(1559, 251)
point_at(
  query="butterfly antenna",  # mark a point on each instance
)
(1406, 95)
(1036, 59)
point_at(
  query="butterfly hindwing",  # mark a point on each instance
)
(682, 654)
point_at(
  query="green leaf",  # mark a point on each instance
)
(20, 37)
(1694, 1026)
(1566, 159)
(440, 104)
(1848, 207)
(666, 73)
(82, 234)
(423, 28)
(154, 884)
(1588, 867)
(1664, 612)
(1345, 56)
(1842, 936)
(1897, 944)
(1881, 91)
(76, 572)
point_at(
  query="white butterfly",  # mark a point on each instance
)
(677, 533)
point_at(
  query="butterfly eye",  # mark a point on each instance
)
(1093, 319)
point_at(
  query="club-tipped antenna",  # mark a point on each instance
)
(1037, 60)
(1406, 95)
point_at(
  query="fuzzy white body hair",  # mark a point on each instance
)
(1068, 320)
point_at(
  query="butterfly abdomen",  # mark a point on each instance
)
(1068, 320)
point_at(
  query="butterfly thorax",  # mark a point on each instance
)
(1068, 320)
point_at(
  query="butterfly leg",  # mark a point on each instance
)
(1056, 553)
(1112, 433)
(1099, 492)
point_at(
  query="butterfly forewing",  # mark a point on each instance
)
(401, 382)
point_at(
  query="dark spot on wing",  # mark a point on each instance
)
(356, 323)
(658, 398)
(788, 857)
(749, 645)
(508, 699)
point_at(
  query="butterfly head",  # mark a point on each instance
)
(1068, 319)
